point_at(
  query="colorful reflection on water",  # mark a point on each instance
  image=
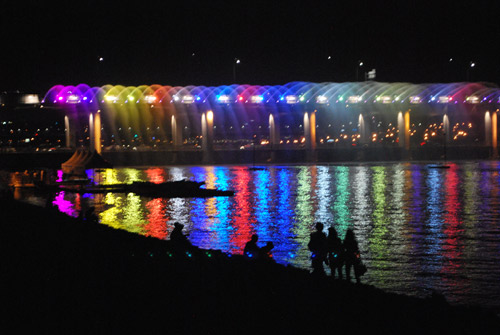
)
(419, 229)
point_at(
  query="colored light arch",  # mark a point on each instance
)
(306, 93)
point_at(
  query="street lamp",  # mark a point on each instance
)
(236, 61)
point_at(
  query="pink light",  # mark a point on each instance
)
(60, 98)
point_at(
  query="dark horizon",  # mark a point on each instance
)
(185, 44)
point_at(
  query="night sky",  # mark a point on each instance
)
(195, 43)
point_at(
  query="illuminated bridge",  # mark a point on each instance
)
(296, 115)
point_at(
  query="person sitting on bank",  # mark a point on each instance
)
(265, 251)
(252, 250)
(179, 240)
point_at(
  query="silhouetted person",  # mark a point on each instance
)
(352, 256)
(252, 250)
(335, 252)
(265, 251)
(179, 240)
(317, 245)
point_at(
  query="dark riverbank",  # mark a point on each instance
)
(65, 276)
(54, 159)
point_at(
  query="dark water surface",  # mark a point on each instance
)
(419, 229)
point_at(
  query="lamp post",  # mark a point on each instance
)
(236, 61)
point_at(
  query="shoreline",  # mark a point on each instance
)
(54, 159)
(68, 276)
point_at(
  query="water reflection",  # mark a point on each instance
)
(418, 228)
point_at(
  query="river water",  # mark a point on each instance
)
(419, 229)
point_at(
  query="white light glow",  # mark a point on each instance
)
(444, 99)
(385, 99)
(321, 99)
(30, 99)
(472, 99)
(187, 99)
(72, 99)
(291, 99)
(354, 99)
(223, 99)
(256, 99)
(415, 100)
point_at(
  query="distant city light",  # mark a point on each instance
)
(30, 99)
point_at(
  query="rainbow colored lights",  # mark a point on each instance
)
(292, 93)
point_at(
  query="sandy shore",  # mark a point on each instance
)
(63, 276)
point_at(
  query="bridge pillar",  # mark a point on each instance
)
(69, 129)
(91, 133)
(364, 130)
(207, 133)
(310, 134)
(274, 135)
(490, 131)
(446, 128)
(97, 132)
(176, 132)
(274, 131)
(404, 130)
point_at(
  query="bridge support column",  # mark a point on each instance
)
(69, 129)
(490, 132)
(310, 135)
(364, 130)
(494, 134)
(404, 131)
(91, 133)
(446, 128)
(176, 132)
(274, 136)
(97, 132)
(207, 132)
